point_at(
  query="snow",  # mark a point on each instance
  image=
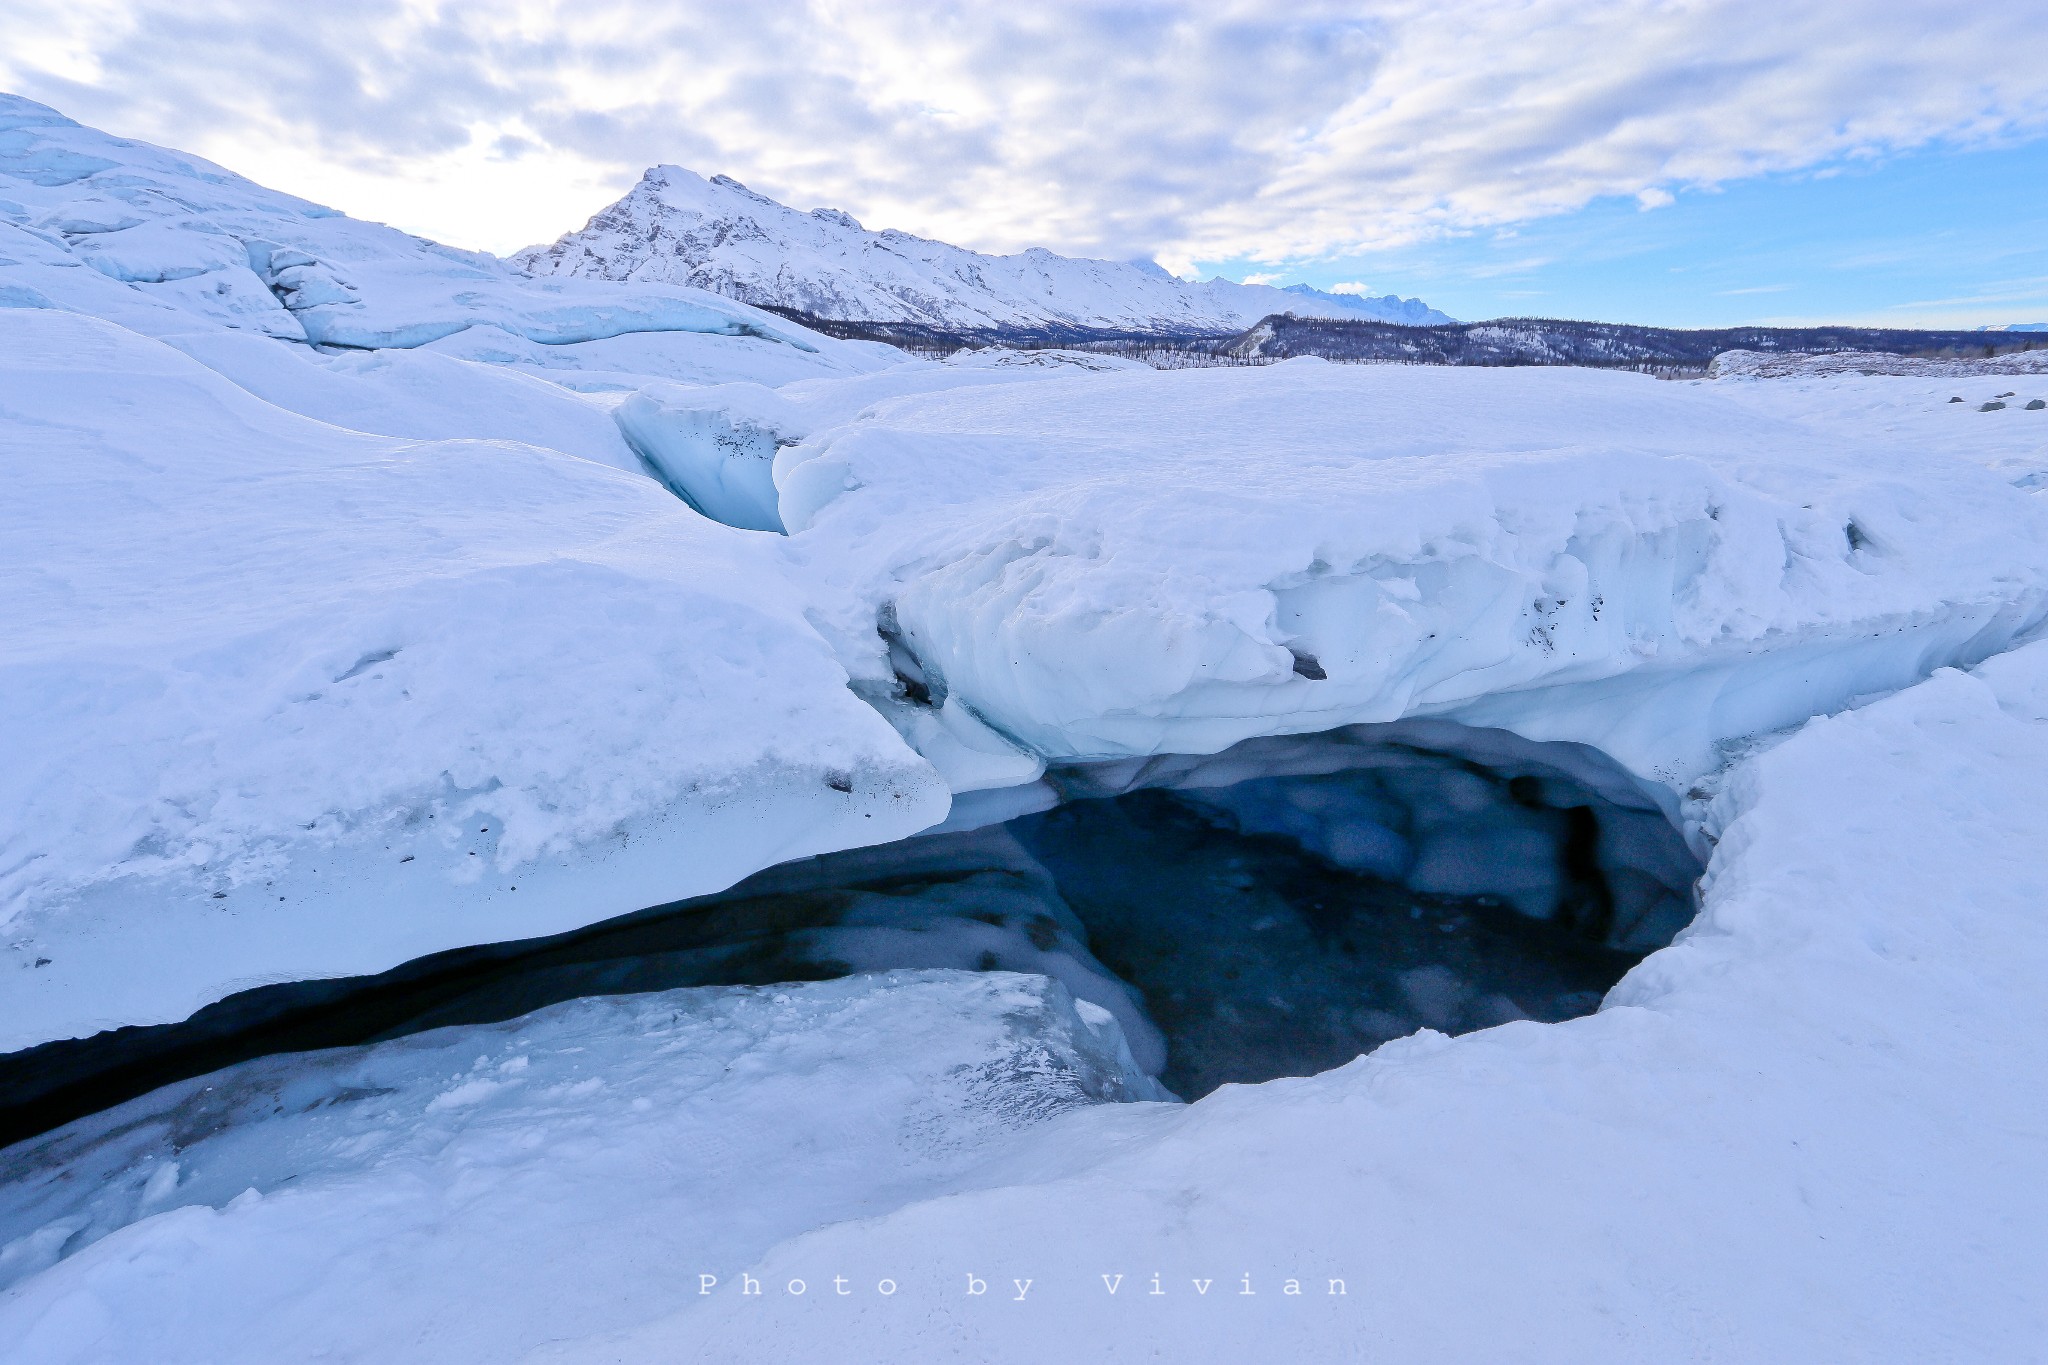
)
(716, 444)
(417, 394)
(165, 243)
(275, 688)
(1934, 412)
(338, 1198)
(676, 227)
(1810, 1130)
(1129, 564)
(343, 624)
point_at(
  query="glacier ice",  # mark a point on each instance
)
(366, 608)
(1254, 921)
(283, 730)
(1805, 1131)
(1139, 563)
(662, 1135)
(1779, 1084)
(1242, 897)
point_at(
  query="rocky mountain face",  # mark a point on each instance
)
(677, 227)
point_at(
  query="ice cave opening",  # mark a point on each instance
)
(1274, 910)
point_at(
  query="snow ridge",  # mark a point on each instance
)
(676, 227)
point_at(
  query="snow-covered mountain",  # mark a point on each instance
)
(677, 227)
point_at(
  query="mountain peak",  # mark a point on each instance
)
(677, 227)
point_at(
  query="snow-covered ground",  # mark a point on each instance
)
(350, 614)
(677, 227)
(167, 244)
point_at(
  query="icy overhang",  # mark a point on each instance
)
(1134, 564)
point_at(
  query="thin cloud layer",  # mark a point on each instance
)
(1189, 131)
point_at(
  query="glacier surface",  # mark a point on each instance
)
(348, 618)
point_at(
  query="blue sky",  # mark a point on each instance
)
(1928, 239)
(1881, 161)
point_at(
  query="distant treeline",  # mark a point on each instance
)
(1504, 341)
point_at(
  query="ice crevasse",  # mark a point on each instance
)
(311, 701)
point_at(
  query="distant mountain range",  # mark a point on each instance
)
(676, 227)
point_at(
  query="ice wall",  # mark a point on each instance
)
(1134, 564)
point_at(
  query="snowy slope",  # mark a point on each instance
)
(677, 227)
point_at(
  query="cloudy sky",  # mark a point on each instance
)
(1677, 161)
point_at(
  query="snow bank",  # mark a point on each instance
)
(1140, 563)
(1808, 1131)
(287, 701)
(431, 1189)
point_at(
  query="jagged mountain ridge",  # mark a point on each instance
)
(677, 227)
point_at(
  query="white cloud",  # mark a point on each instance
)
(1199, 131)
(1358, 287)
